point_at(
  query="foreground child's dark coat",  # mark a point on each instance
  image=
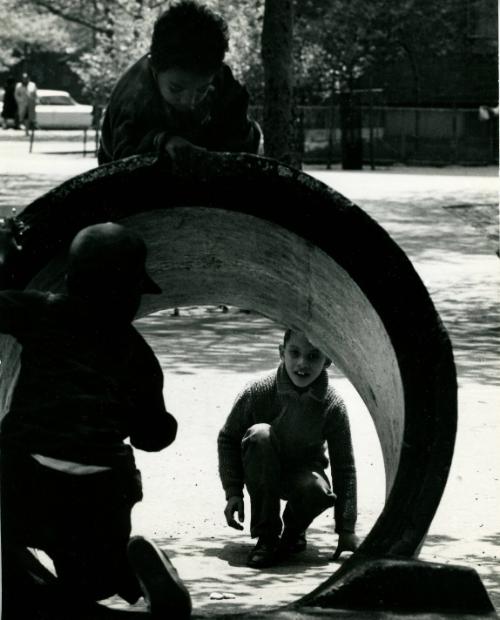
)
(88, 382)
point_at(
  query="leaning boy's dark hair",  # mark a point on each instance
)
(191, 37)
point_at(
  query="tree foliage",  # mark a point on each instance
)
(19, 37)
(336, 42)
(111, 34)
(339, 41)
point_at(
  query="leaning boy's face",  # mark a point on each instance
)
(303, 362)
(182, 89)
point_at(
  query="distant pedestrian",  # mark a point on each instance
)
(488, 113)
(181, 95)
(273, 442)
(88, 382)
(10, 116)
(26, 96)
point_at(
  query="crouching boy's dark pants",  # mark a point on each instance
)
(268, 479)
(82, 522)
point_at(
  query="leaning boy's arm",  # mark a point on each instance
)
(128, 137)
(134, 120)
(343, 467)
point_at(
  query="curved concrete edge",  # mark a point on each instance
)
(322, 219)
(212, 256)
(407, 586)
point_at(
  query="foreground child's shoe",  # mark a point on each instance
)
(292, 542)
(163, 589)
(264, 554)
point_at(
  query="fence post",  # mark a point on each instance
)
(416, 142)
(454, 136)
(351, 140)
(402, 136)
(370, 121)
(329, 155)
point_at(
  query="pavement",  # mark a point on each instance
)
(446, 220)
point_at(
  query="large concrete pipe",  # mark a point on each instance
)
(252, 232)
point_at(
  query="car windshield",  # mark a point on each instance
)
(55, 100)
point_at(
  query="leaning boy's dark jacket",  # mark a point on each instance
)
(137, 120)
(85, 385)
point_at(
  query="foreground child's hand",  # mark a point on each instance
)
(9, 246)
(235, 504)
(8, 242)
(347, 542)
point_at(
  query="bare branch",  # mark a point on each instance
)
(124, 7)
(77, 19)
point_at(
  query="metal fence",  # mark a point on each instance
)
(419, 136)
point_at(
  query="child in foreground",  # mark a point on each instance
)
(88, 382)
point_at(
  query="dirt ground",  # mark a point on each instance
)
(447, 222)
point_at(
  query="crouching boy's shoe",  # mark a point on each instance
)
(264, 554)
(164, 592)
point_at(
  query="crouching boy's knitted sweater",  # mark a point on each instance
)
(302, 423)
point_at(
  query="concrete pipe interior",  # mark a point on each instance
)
(365, 307)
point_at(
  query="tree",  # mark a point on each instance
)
(19, 40)
(113, 33)
(343, 40)
(105, 35)
(123, 36)
(343, 44)
(277, 60)
(245, 19)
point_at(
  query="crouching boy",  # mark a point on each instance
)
(273, 442)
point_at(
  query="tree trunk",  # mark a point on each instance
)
(351, 128)
(278, 122)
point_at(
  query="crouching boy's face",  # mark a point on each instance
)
(303, 362)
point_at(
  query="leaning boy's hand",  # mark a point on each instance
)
(178, 147)
(347, 542)
(235, 504)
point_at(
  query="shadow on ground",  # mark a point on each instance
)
(235, 588)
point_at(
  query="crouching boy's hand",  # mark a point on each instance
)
(235, 504)
(347, 542)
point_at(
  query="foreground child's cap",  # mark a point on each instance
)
(108, 258)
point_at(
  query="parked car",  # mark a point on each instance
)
(56, 109)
